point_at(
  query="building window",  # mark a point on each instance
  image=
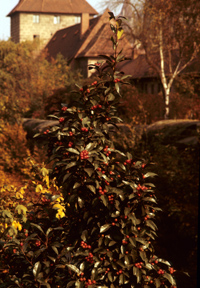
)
(36, 37)
(36, 18)
(56, 20)
(77, 19)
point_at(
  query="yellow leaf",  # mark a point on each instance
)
(119, 33)
(19, 195)
(39, 188)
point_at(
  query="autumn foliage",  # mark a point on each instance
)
(100, 231)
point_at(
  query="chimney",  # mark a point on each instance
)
(84, 23)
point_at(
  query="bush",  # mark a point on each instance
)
(102, 232)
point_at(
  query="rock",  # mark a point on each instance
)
(177, 132)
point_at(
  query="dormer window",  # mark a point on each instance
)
(56, 20)
(36, 18)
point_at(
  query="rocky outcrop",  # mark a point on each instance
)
(177, 132)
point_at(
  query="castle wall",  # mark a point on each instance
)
(23, 26)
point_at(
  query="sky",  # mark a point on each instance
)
(8, 5)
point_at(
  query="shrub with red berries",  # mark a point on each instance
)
(107, 234)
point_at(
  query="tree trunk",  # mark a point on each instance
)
(166, 96)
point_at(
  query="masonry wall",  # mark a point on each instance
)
(28, 30)
(14, 30)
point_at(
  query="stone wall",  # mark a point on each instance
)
(15, 24)
(23, 28)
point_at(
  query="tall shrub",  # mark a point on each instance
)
(103, 237)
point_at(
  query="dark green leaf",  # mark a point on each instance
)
(38, 227)
(104, 228)
(73, 268)
(36, 269)
(92, 188)
(72, 150)
(89, 171)
(169, 278)
(84, 235)
(71, 164)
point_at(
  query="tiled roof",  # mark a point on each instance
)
(94, 42)
(139, 68)
(54, 6)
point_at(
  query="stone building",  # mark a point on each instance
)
(40, 19)
(83, 43)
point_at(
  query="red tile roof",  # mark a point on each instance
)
(54, 6)
(94, 42)
(139, 68)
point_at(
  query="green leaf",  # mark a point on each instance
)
(104, 228)
(143, 255)
(66, 176)
(89, 171)
(73, 268)
(151, 224)
(111, 97)
(71, 164)
(55, 249)
(84, 235)
(36, 269)
(72, 150)
(76, 185)
(150, 174)
(150, 199)
(132, 241)
(38, 227)
(157, 282)
(80, 202)
(169, 278)
(110, 276)
(105, 200)
(121, 279)
(92, 188)
(112, 243)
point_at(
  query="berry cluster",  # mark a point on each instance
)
(84, 154)
(117, 80)
(71, 133)
(64, 108)
(106, 150)
(61, 119)
(46, 132)
(111, 199)
(38, 243)
(171, 270)
(94, 83)
(90, 282)
(124, 242)
(160, 271)
(84, 245)
(139, 265)
(89, 258)
(101, 191)
(84, 129)
(70, 144)
(96, 106)
(59, 143)
(139, 187)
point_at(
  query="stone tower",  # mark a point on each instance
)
(40, 19)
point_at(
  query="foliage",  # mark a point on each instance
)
(13, 148)
(101, 232)
(27, 78)
(168, 32)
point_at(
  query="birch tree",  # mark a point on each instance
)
(169, 33)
